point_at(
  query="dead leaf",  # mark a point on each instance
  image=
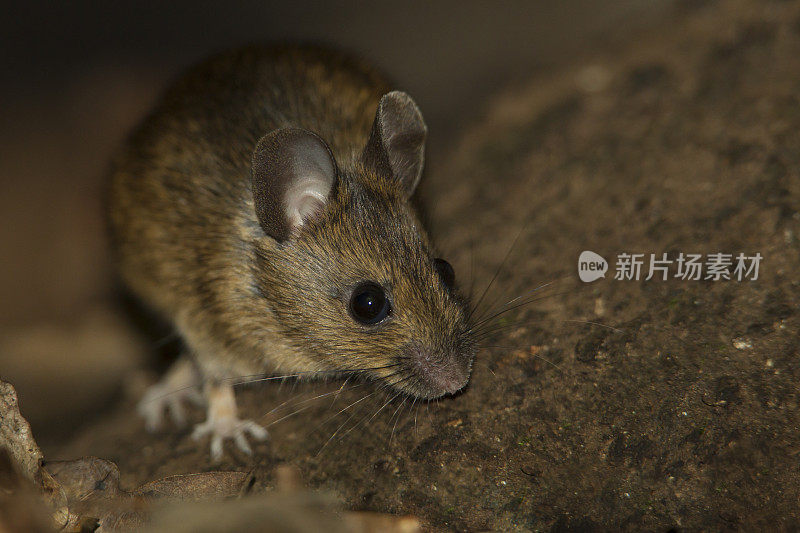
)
(86, 478)
(205, 486)
(15, 433)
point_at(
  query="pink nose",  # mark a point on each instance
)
(449, 379)
(445, 376)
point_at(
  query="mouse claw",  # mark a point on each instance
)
(223, 423)
(229, 428)
(178, 385)
(160, 398)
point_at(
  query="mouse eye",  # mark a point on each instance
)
(369, 304)
(445, 272)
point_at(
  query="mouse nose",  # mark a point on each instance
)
(444, 374)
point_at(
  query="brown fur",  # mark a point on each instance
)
(188, 241)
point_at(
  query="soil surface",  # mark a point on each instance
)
(647, 404)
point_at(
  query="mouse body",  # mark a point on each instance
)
(263, 209)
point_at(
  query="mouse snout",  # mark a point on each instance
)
(442, 373)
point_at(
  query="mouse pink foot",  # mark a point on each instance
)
(223, 422)
(181, 383)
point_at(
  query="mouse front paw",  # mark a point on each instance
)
(223, 423)
(179, 385)
(229, 428)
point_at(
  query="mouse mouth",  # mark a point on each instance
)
(437, 373)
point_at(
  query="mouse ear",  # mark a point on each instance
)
(396, 143)
(292, 176)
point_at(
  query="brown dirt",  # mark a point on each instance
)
(686, 415)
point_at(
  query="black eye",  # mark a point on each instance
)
(369, 304)
(445, 271)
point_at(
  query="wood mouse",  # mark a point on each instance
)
(263, 209)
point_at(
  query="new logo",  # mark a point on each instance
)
(591, 266)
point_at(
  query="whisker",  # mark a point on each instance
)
(345, 422)
(471, 266)
(495, 305)
(480, 325)
(484, 364)
(599, 324)
(416, 429)
(336, 392)
(342, 411)
(505, 307)
(287, 416)
(402, 380)
(336, 396)
(497, 328)
(246, 381)
(249, 379)
(499, 268)
(256, 378)
(391, 435)
(373, 415)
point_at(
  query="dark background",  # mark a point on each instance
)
(449, 54)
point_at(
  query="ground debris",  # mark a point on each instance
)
(15, 433)
(85, 495)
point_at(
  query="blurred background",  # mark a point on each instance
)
(77, 76)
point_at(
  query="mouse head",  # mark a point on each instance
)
(345, 264)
